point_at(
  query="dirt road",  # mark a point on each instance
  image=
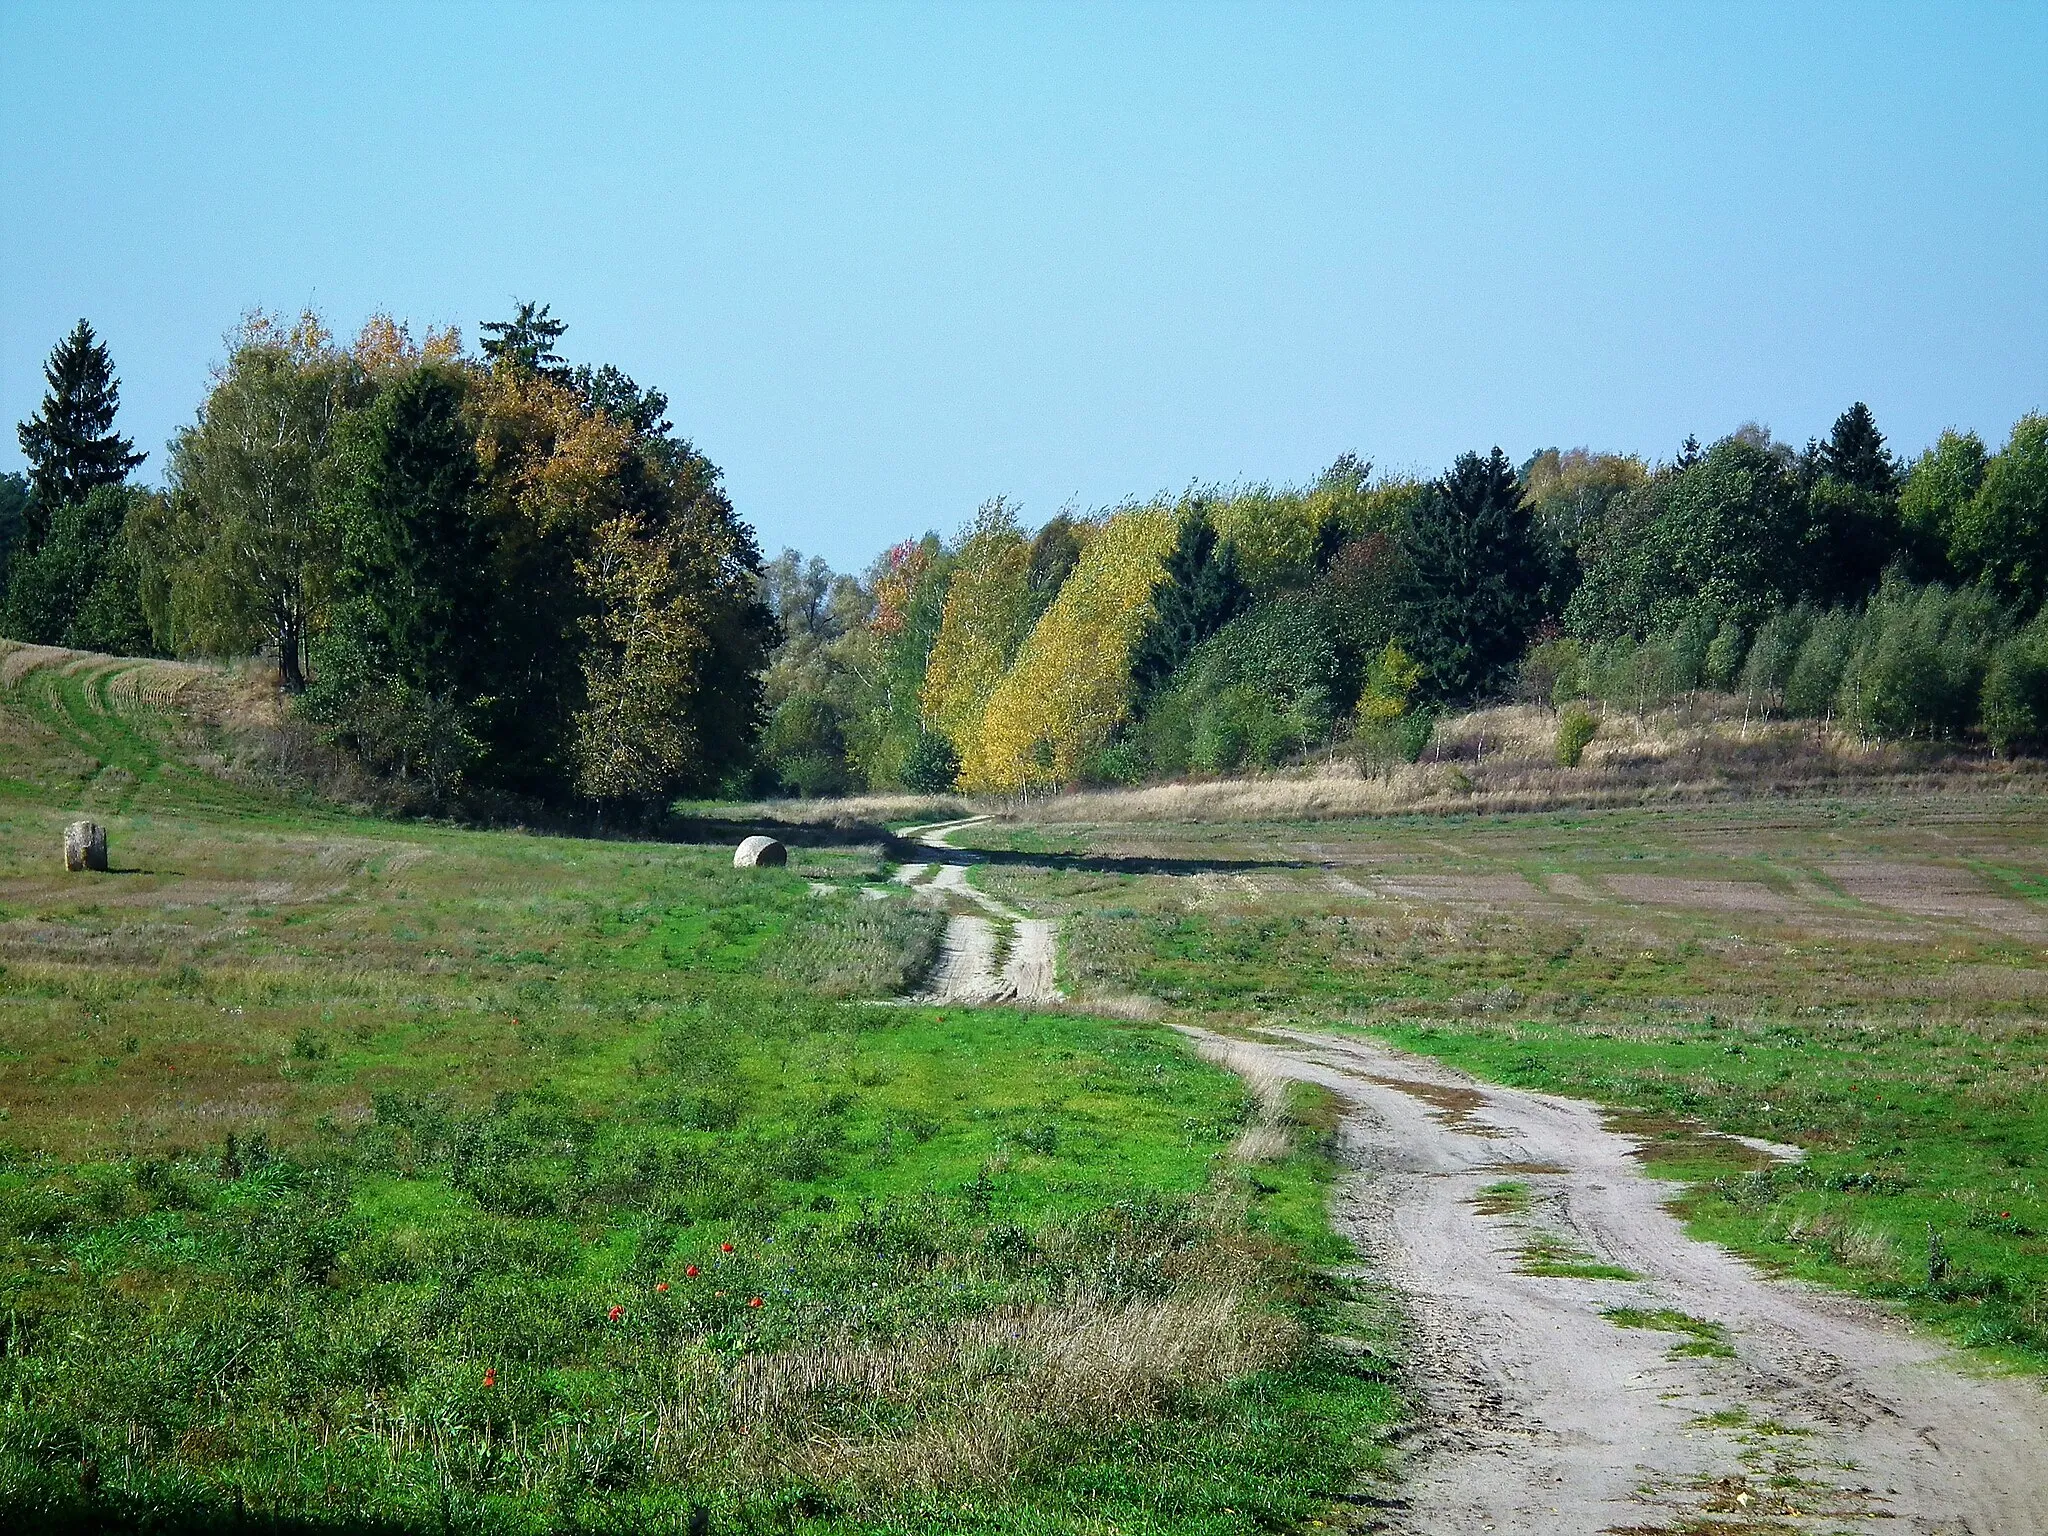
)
(967, 971)
(1696, 1396)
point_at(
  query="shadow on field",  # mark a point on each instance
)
(811, 834)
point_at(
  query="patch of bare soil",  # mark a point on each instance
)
(1695, 1395)
(1938, 891)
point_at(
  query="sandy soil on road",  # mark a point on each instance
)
(1544, 1415)
(967, 972)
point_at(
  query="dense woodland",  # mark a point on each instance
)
(500, 575)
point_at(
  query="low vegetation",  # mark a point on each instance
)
(366, 1176)
(1859, 976)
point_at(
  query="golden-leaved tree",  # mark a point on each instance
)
(1070, 685)
(989, 610)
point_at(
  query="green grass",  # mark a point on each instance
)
(1700, 1337)
(1904, 1048)
(351, 1175)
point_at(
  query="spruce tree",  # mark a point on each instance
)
(527, 342)
(400, 671)
(70, 443)
(1202, 593)
(1474, 577)
(1855, 453)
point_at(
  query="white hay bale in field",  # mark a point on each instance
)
(759, 852)
(85, 846)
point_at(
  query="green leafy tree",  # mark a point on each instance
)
(677, 639)
(400, 673)
(1473, 578)
(70, 443)
(2001, 537)
(1938, 491)
(243, 560)
(2015, 705)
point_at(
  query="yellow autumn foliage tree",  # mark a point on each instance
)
(988, 613)
(1070, 685)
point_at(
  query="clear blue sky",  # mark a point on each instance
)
(890, 260)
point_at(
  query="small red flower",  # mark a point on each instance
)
(2005, 1215)
(755, 1302)
(661, 1285)
(617, 1313)
(725, 1247)
(693, 1271)
(490, 1375)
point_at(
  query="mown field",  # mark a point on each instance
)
(1867, 978)
(365, 1176)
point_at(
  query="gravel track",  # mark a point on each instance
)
(1803, 1411)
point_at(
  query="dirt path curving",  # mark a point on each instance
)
(1697, 1395)
(967, 971)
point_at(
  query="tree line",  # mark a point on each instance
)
(480, 575)
(1232, 627)
(501, 574)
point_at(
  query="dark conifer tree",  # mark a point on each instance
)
(1855, 453)
(401, 668)
(1202, 593)
(1473, 578)
(70, 443)
(527, 341)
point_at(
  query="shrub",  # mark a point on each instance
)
(1551, 672)
(1575, 728)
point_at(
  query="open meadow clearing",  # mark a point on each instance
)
(368, 1176)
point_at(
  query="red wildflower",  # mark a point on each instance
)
(693, 1271)
(490, 1375)
(725, 1247)
(661, 1285)
(755, 1302)
(617, 1313)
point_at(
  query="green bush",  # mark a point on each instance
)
(1722, 665)
(1575, 728)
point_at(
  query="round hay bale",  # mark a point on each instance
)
(85, 846)
(758, 852)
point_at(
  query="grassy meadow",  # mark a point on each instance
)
(367, 1176)
(1865, 977)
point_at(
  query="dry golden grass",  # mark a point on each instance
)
(974, 1400)
(1504, 759)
